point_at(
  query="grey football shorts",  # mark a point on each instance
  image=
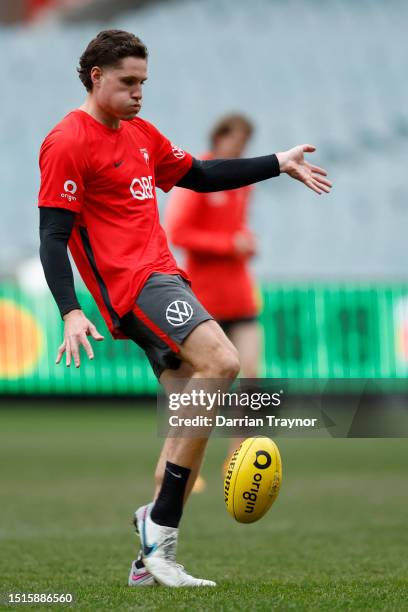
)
(165, 313)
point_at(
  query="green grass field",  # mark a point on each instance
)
(336, 539)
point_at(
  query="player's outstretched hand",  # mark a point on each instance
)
(293, 163)
(76, 329)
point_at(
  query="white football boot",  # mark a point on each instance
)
(158, 544)
(139, 576)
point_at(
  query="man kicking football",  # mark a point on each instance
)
(99, 170)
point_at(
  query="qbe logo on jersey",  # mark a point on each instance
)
(178, 313)
(142, 188)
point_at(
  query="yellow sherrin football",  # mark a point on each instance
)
(253, 479)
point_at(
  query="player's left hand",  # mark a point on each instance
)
(293, 163)
(76, 329)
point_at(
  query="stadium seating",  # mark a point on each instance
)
(330, 73)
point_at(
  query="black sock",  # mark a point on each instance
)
(168, 507)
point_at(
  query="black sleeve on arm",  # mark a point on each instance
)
(221, 174)
(55, 229)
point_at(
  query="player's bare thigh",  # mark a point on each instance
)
(209, 352)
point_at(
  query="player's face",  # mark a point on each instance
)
(232, 144)
(118, 89)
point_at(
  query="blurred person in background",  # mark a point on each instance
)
(100, 166)
(212, 229)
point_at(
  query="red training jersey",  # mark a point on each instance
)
(108, 177)
(204, 225)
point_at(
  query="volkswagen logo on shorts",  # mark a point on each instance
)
(178, 313)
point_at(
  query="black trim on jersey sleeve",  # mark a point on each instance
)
(55, 229)
(221, 174)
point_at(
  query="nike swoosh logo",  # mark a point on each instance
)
(139, 576)
(173, 474)
(147, 550)
(117, 164)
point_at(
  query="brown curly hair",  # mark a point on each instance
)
(107, 49)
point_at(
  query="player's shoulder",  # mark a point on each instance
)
(69, 132)
(145, 127)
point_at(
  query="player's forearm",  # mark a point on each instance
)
(55, 230)
(222, 174)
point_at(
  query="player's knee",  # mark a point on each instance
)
(224, 363)
(231, 364)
